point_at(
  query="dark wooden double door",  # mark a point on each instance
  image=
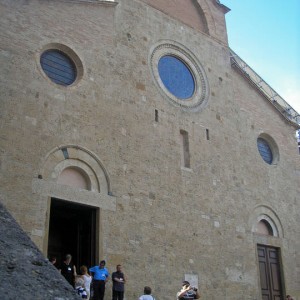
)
(270, 273)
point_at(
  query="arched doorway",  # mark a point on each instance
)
(77, 188)
(72, 226)
(72, 230)
(268, 230)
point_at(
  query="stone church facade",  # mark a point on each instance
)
(127, 134)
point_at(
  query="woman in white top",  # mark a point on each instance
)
(147, 294)
(87, 278)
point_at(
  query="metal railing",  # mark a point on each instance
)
(278, 102)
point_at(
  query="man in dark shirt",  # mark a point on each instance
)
(68, 270)
(119, 280)
(187, 292)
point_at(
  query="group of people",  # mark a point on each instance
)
(81, 283)
(100, 275)
(84, 283)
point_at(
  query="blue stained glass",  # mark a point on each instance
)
(176, 77)
(58, 67)
(265, 150)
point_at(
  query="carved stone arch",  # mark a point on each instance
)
(266, 214)
(66, 156)
(93, 196)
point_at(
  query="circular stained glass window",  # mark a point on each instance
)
(265, 150)
(179, 76)
(58, 67)
(176, 77)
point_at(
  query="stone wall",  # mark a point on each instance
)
(157, 218)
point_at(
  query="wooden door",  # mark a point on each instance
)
(270, 274)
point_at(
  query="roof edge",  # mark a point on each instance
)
(224, 8)
(285, 109)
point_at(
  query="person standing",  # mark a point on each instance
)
(87, 280)
(187, 292)
(100, 277)
(118, 279)
(68, 270)
(147, 294)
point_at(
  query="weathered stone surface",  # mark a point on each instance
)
(24, 272)
(157, 218)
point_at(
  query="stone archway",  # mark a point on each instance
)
(72, 195)
(65, 156)
(267, 214)
(268, 236)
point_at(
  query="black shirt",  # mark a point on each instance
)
(68, 272)
(118, 286)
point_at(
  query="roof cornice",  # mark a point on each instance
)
(224, 8)
(286, 110)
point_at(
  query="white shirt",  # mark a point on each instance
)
(87, 282)
(147, 297)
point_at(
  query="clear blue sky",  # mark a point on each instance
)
(266, 35)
